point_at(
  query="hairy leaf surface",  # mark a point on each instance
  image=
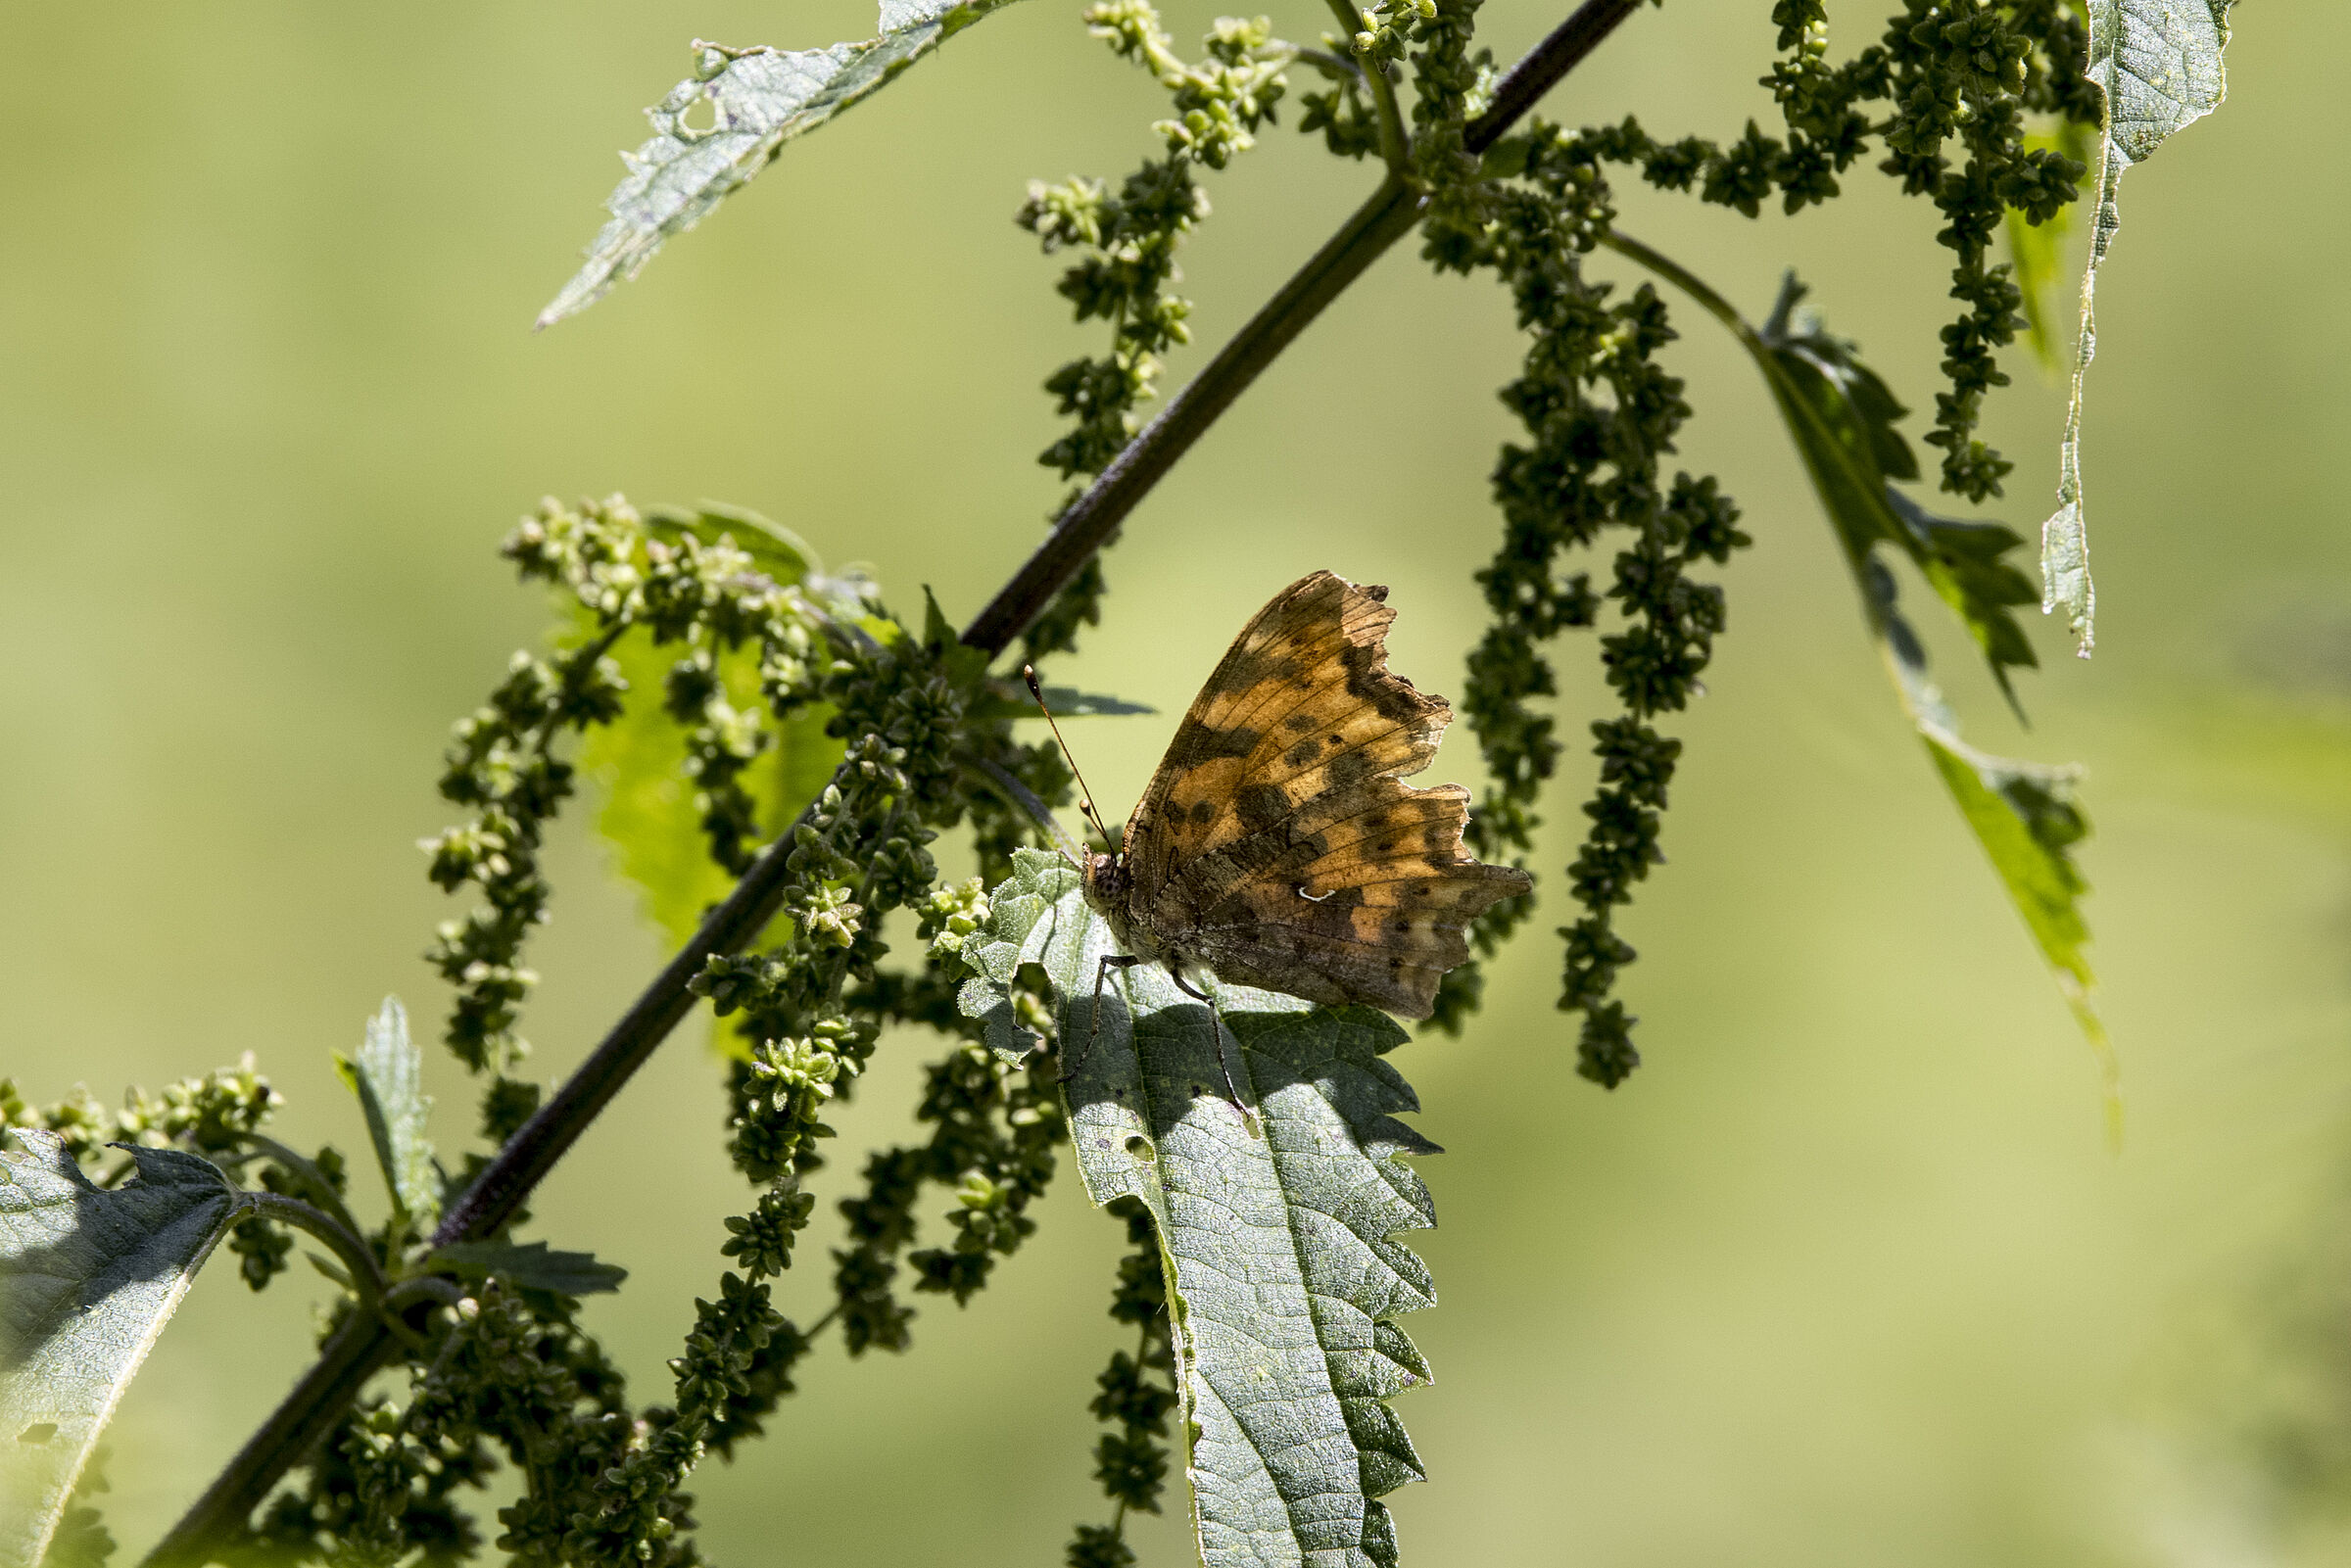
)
(758, 99)
(387, 1073)
(1276, 1224)
(2158, 62)
(88, 1278)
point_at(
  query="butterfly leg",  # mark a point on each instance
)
(1102, 970)
(1216, 1019)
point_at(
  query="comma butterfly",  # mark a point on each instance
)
(1277, 846)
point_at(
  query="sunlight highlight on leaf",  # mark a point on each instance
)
(387, 1074)
(2158, 62)
(759, 99)
(1277, 1225)
(88, 1278)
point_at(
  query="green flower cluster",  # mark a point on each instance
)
(1138, 1393)
(1961, 73)
(1599, 412)
(1128, 242)
(512, 1374)
(213, 1114)
(602, 1482)
(707, 594)
(216, 1116)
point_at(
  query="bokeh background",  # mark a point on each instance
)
(1844, 1274)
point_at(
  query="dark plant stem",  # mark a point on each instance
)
(1541, 67)
(1378, 224)
(367, 1278)
(1091, 520)
(365, 1343)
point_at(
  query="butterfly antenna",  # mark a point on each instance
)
(1086, 796)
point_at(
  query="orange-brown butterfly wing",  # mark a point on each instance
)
(1277, 846)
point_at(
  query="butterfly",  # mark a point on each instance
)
(1276, 845)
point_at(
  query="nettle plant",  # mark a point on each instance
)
(779, 752)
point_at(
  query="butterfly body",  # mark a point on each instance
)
(1277, 846)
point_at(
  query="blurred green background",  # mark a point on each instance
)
(1844, 1274)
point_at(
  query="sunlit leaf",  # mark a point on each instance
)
(88, 1278)
(2023, 814)
(651, 819)
(725, 123)
(1277, 1221)
(387, 1073)
(2158, 63)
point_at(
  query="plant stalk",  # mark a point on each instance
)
(1378, 224)
(364, 1342)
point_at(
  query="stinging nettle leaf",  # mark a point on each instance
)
(1275, 1228)
(88, 1278)
(759, 99)
(533, 1266)
(1848, 407)
(387, 1074)
(2023, 814)
(2158, 63)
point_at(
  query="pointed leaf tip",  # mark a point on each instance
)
(387, 1073)
(757, 100)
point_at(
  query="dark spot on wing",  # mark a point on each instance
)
(1196, 742)
(1349, 769)
(1299, 755)
(1261, 805)
(1299, 720)
(1203, 812)
(1246, 671)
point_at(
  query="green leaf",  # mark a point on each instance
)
(2022, 813)
(964, 665)
(2158, 63)
(1848, 407)
(87, 1280)
(1962, 562)
(1275, 1225)
(758, 99)
(649, 821)
(388, 1077)
(532, 1266)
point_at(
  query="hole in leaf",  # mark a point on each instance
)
(1140, 1147)
(38, 1431)
(700, 117)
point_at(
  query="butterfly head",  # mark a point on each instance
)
(1106, 881)
(1109, 884)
